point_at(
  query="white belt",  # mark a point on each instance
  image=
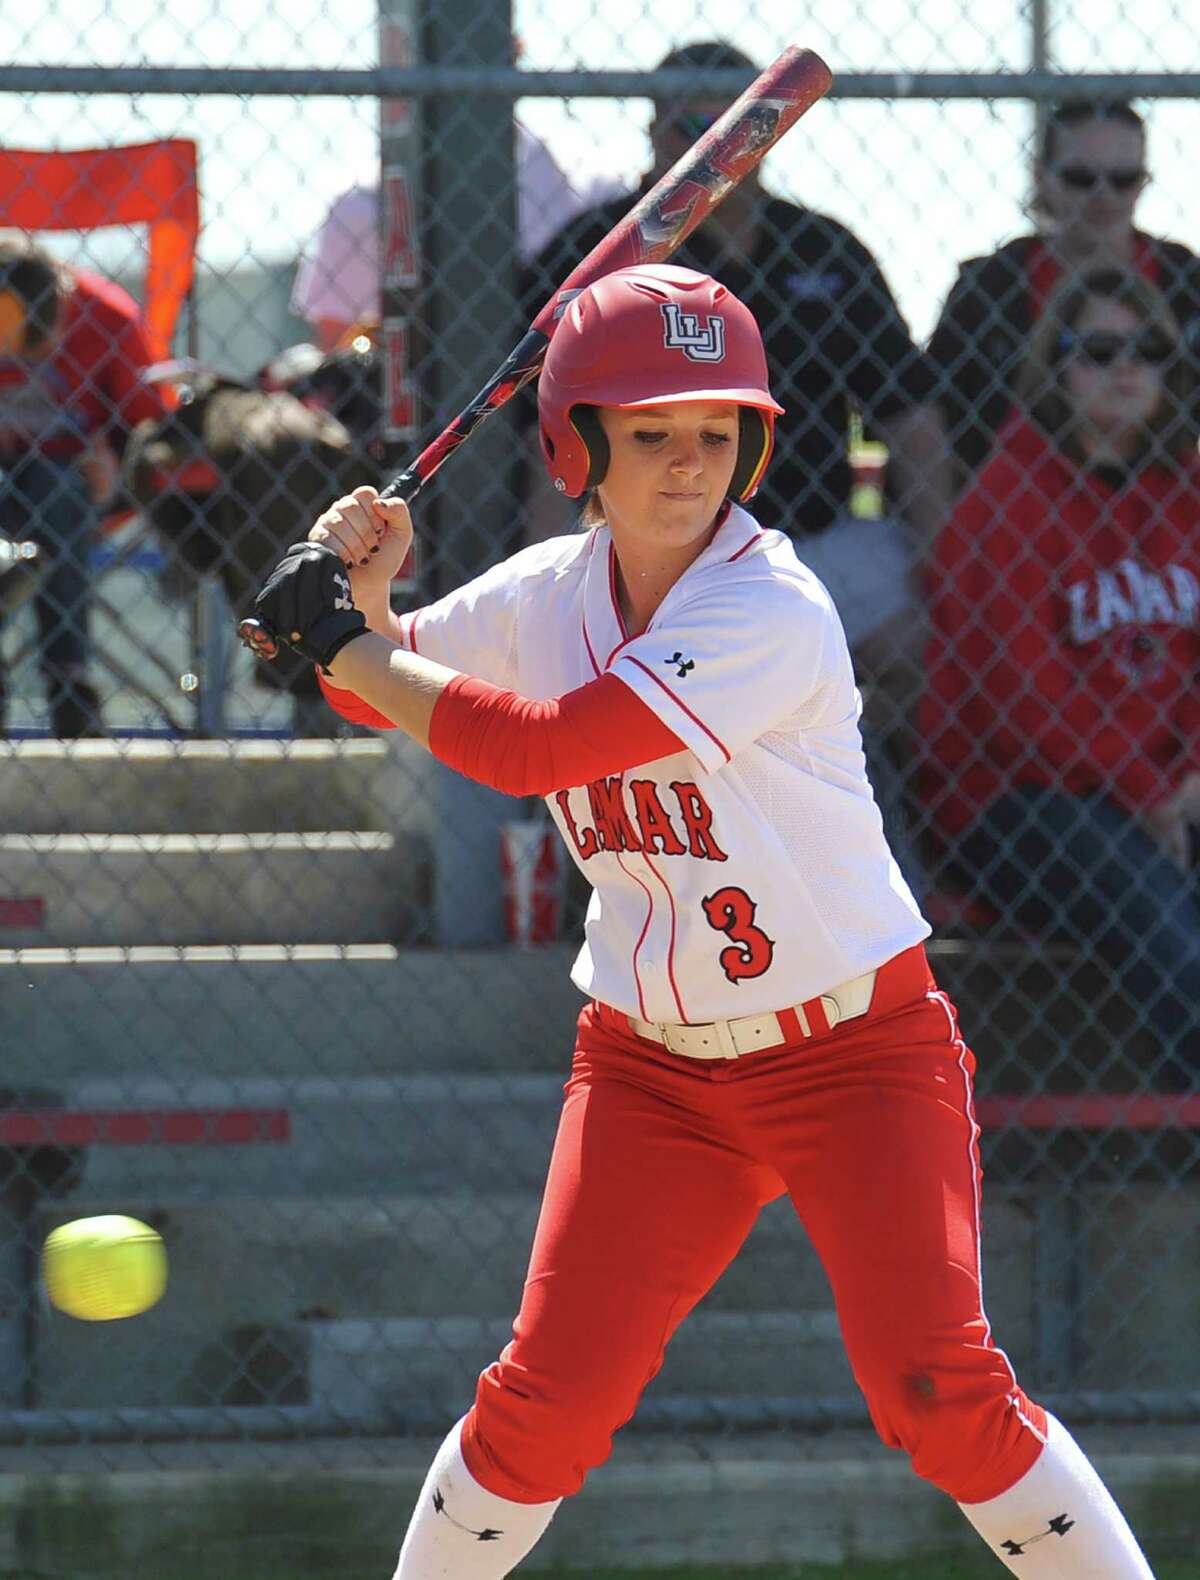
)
(729, 1039)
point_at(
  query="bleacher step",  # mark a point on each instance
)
(272, 1010)
(153, 888)
(399, 1254)
(122, 786)
(409, 1363)
(370, 1133)
(250, 1277)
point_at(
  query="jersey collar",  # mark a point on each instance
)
(603, 628)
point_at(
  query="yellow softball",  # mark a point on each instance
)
(99, 1269)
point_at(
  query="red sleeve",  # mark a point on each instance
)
(535, 748)
(532, 748)
(351, 706)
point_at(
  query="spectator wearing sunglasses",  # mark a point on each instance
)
(1089, 173)
(1062, 714)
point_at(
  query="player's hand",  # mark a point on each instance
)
(371, 536)
(307, 603)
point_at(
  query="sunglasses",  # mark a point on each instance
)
(1102, 348)
(1086, 178)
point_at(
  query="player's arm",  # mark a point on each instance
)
(496, 736)
(487, 732)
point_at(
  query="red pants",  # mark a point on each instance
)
(660, 1168)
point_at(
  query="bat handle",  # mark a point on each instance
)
(261, 642)
(405, 485)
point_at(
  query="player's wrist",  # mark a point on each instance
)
(329, 635)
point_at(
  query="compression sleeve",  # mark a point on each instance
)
(533, 748)
(351, 706)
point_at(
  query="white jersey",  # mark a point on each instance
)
(748, 871)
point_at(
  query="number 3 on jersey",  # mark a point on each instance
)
(731, 911)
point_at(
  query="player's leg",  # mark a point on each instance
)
(647, 1201)
(892, 1202)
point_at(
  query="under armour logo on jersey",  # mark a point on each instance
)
(343, 582)
(684, 663)
(1058, 1526)
(487, 1534)
(683, 333)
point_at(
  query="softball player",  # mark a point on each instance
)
(761, 1018)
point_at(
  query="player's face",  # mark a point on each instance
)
(1114, 371)
(1092, 183)
(669, 470)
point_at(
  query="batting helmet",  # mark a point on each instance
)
(649, 336)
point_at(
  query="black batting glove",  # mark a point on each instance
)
(306, 602)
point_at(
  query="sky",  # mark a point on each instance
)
(923, 184)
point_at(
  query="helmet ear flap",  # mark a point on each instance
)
(586, 422)
(756, 437)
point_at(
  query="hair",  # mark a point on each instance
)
(1080, 111)
(33, 275)
(1172, 429)
(707, 55)
(592, 514)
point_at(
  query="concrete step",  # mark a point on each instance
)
(272, 1010)
(253, 1282)
(348, 1134)
(399, 1255)
(402, 1364)
(123, 786)
(153, 888)
(262, 1290)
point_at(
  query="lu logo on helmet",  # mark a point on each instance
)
(683, 333)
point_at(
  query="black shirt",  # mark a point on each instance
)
(833, 334)
(983, 333)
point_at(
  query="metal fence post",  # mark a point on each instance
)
(471, 257)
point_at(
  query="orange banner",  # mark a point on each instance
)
(154, 184)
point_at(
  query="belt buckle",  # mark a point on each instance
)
(665, 1030)
(716, 1031)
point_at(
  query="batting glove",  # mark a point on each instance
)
(307, 603)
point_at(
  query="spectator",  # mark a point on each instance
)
(836, 342)
(1062, 713)
(1089, 173)
(337, 284)
(228, 478)
(72, 355)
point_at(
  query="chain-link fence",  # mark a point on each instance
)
(298, 996)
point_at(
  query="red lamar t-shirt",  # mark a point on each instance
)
(90, 383)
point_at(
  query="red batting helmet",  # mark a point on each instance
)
(648, 336)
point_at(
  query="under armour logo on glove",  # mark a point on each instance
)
(1058, 1526)
(684, 664)
(307, 602)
